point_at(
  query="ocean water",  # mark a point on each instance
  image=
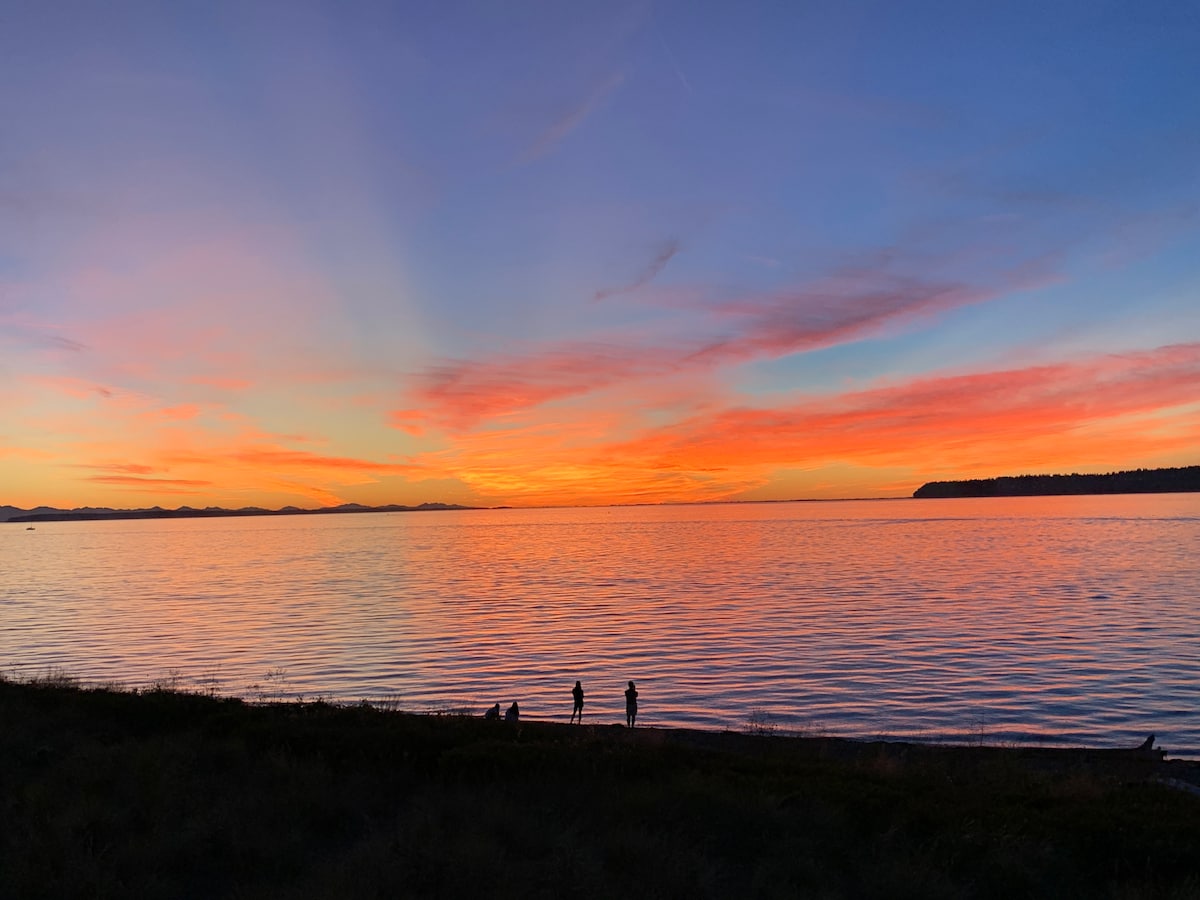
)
(1055, 620)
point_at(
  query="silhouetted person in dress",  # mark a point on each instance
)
(577, 693)
(630, 705)
(493, 713)
(513, 713)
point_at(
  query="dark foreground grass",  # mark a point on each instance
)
(111, 794)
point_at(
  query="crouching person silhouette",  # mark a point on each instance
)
(493, 713)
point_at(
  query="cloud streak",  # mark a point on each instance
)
(1082, 413)
(156, 485)
(460, 394)
(1056, 413)
(664, 255)
(558, 131)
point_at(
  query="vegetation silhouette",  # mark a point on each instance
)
(1137, 481)
(159, 795)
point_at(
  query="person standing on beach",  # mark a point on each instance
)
(513, 713)
(577, 693)
(630, 705)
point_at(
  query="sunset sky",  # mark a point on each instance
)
(257, 253)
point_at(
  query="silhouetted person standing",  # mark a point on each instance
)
(630, 705)
(577, 693)
(513, 713)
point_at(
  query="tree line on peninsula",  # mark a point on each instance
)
(1136, 481)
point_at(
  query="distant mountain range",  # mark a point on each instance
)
(89, 513)
(1138, 481)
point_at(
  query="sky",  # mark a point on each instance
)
(296, 253)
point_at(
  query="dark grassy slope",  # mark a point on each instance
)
(106, 794)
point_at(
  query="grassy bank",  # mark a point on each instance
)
(160, 794)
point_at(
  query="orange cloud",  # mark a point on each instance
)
(120, 468)
(1092, 412)
(175, 413)
(318, 495)
(279, 458)
(1066, 409)
(220, 383)
(133, 443)
(158, 485)
(198, 462)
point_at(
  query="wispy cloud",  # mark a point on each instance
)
(683, 80)
(663, 256)
(117, 468)
(152, 485)
(552, 136)
(459, 394)
(78, 388)
(34, 335)
(64, 343)
(182, 412)
(278, 458)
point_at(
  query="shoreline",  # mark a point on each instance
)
(1178, 480)
(721, 739)
(278, 693)
(166, 794)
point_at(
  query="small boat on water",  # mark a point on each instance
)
(31, 528)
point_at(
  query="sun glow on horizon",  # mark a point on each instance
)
(260, 260)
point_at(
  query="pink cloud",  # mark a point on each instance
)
(201, 319)
(79, 388)
(459, 394)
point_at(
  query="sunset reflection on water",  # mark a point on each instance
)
(1064, 619)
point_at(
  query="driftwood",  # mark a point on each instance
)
(1147, 748)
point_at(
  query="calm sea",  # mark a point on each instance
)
(1055, 620)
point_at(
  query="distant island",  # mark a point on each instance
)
(1138, 481)
(88, 513)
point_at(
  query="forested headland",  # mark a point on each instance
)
(1137, 481)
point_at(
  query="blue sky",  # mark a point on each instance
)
(533, 253)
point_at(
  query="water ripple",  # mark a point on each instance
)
(1053, 619)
